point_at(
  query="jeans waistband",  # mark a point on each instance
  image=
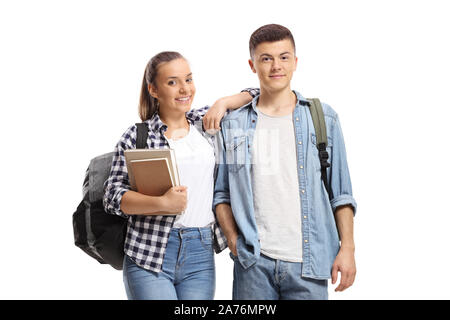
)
(205, 232)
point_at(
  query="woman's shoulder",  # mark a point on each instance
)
(130, 132)
(128, 138)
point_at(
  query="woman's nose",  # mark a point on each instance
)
(183, 88)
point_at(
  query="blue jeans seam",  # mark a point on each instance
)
(133, 294)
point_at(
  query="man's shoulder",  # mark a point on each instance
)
(328, 111)
(238, 114)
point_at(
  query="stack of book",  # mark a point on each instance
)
(152, 171)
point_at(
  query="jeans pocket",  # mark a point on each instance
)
(207, 242)
(232, 256)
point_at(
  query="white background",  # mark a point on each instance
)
(70, 75)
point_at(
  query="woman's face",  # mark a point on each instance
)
(175, 88)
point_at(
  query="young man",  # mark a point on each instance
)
(282, 229)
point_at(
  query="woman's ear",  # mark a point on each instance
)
(152, 90)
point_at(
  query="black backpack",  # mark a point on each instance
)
(98, 233)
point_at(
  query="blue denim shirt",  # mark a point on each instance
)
(234, 185)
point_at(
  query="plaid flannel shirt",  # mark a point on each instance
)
(147, 235)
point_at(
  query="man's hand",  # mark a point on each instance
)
(345, 264)
(226, 221)
(211, 120)
(232, 244)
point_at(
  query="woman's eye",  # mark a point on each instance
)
(171, 83)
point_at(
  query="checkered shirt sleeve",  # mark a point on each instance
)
(252, 91)
(117, 183)
(196, 115)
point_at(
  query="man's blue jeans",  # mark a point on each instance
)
(188, 270)
(270, 279)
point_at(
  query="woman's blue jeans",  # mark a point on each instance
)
(188, 271)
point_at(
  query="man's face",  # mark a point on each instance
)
(275, 63)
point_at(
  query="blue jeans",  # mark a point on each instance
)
(270, 279)
(188, 271)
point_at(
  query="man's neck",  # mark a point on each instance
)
(277, 103)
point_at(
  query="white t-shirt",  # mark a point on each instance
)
(195, 161)
(276, 189)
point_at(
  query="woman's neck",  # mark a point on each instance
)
(177, 124)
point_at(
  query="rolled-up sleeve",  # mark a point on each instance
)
(252, 91)
(340, 182)
(117, 183)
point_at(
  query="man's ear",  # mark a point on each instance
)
(153, 92)
(252, 66)
(296, 60)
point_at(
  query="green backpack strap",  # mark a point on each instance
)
(320, 128)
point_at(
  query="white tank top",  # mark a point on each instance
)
(195, 161)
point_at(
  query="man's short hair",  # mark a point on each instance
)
(269, 33)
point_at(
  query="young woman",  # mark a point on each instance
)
(171, 256)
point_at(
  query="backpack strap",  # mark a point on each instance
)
(320, 128)
(141, 136)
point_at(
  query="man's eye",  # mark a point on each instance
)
(285, 58)
(189, 80)
(171, 83)
(265, 59)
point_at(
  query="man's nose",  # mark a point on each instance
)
(276, 64)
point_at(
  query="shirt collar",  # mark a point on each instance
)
(155, 123)
(300, 100)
